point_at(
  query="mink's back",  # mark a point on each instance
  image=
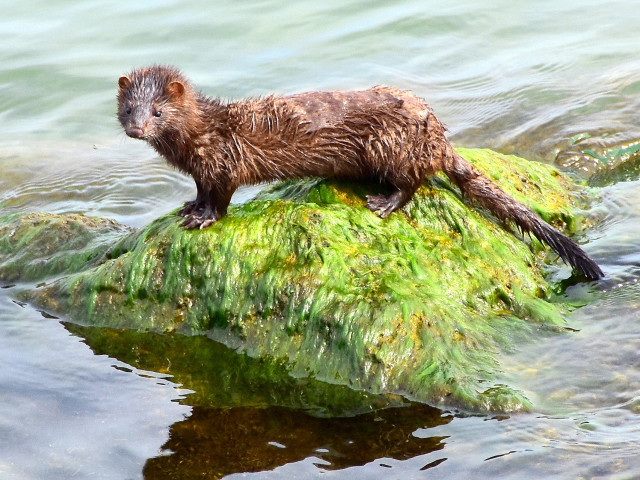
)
(381, 134)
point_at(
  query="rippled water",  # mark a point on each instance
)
(558, 82)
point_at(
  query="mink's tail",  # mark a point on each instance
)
(478, 187)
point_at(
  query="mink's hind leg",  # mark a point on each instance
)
(386, 204)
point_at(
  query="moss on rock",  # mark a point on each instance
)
(419, 304)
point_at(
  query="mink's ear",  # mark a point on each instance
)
(175, 89)
(124, 82)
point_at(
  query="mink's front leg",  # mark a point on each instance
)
(214, 208)
(194, 206)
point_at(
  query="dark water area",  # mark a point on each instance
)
(558, 83)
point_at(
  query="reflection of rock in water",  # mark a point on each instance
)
(248, 433)
(219, 377)
(212, 443)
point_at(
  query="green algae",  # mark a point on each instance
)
(420, 304)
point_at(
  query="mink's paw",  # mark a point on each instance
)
(204, 219)
(383, 205)
(196, 221)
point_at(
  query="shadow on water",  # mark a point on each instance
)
(249, 415)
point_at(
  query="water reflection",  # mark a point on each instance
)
(218, 376)
(250, 415)
(215, 442)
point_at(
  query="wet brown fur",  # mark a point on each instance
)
(382, 134)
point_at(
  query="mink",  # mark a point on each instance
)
(383, 135)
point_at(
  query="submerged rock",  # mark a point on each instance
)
(43, 245)
(419, 304)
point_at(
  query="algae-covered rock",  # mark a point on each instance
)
(418, 304)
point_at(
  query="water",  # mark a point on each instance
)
(543, 79)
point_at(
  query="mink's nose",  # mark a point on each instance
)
(135, 132)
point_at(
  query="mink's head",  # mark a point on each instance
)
(154, 101)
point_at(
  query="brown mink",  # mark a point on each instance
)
(382, 134)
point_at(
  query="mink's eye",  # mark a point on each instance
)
(158, 113)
